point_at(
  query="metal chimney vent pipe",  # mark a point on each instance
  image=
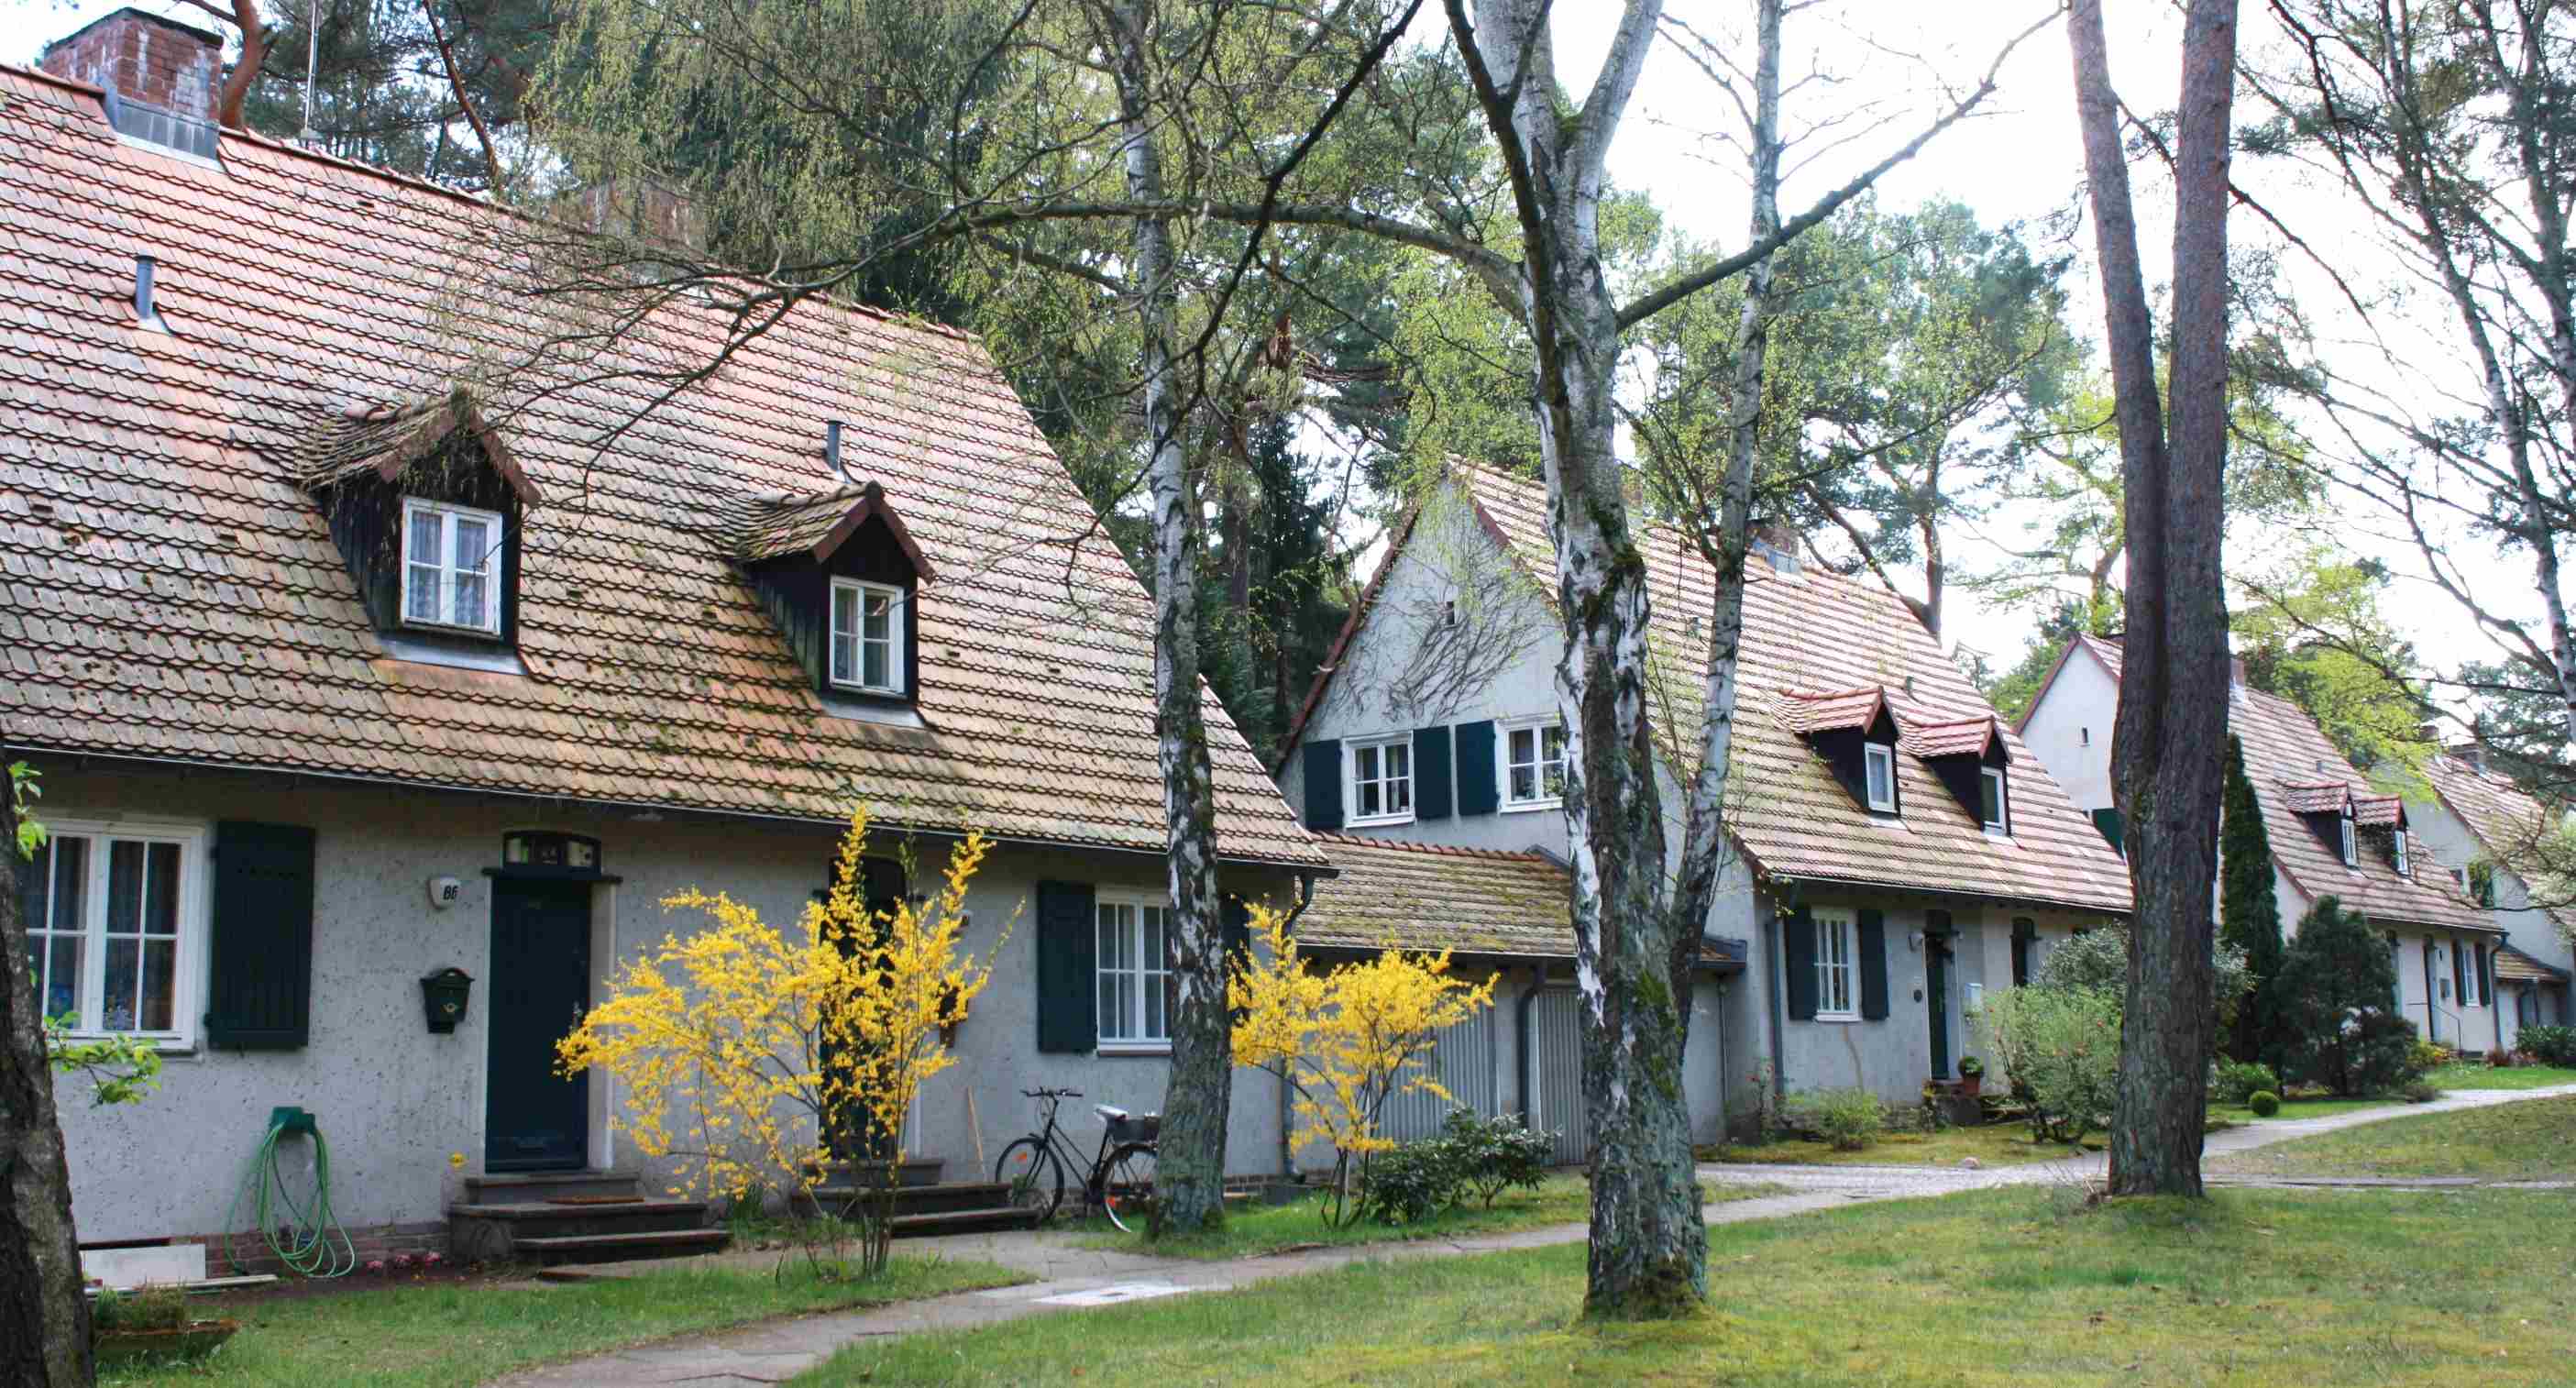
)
(832, 448)
(143, 313)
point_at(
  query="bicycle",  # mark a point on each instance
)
(1119, 1182)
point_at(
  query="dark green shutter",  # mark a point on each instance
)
(1431, 773)
(1068, 968)
(1873, 966)
(2486, 977)
(259, 994)
(2107, 819)
(1324, 784)
(2460, 983)
(1237, 917)
(2025, 933)
(1478, 792)
(1798, 956)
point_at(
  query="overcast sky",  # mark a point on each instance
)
(2018, 161)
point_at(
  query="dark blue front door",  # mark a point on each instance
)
(535, 1119)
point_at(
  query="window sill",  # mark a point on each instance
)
(1133, 1048)
(1525, 806)
(164, 1045)
(869, 691)
(1378, 821)
(1837, 1017)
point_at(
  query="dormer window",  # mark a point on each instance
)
(450, 555)
(867, 636)
(1879, 761)
(2351, 850)
(841, 574)
(1992, 809)
(427, 506)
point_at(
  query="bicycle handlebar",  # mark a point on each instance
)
(1050, 1093)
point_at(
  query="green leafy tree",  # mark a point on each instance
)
(2339, 1002)
(2249, 915)
(2310, 630)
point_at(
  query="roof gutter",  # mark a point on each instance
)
(1307, 871)
(1788, 880)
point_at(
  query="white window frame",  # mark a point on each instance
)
(2401, 853)
(859, 641)
(1352, 780)
(1132, 1031)
(1837, 960)
(187, 984)
(446, 568)
(2002, 822)
(2351, 850)
(1538, 729)
(1873, 755)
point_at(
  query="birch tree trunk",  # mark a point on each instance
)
(2168, 771)
(44, 1318)
(1648, 1251)
(1189, 1175)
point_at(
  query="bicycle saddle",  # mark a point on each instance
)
(1110, 1113)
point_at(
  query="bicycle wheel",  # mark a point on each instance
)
(1031, 1177)
(1127, 1190)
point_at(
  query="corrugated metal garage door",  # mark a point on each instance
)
(1462, 1059)
(1556, 1069)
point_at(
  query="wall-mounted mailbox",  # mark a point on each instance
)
(443, 995)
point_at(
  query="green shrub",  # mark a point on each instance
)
(1493, 1155)
(2336, 986)
(2097, 961)
(1848, 1119)
(1409, 1184)
(2264, 1102)
(2062, 1048)
(2553, 1045)
(2235, 1081)
(2426, 1056)
(2418, 1092)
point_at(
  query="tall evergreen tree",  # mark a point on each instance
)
(2249, 914)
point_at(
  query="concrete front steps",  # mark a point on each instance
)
(573, 1217)
(954, 1207)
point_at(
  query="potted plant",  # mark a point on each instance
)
(1972, 1076)
(151, 1323)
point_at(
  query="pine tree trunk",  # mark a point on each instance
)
(44, 1318)
(1189, 1174)
(2167, 744)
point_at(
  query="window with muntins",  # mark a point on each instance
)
(1879, 775)
(2401, 854)
(867, 636)
(451, 563)
(1137, 987)
(1382, 781)
(1991, 806)
(1837, 981)
(2350, 857)
(1534, 765)
(114, 920)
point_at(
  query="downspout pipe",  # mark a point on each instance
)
(2432, 1008)
(1521, 1042)
(1772, 982)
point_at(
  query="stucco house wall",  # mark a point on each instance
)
(394, 1101)
(2527, 927)
(2069, 728)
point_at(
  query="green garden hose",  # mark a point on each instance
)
(302, 1233)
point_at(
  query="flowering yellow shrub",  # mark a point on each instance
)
(733, 1047)
(1346, 1039)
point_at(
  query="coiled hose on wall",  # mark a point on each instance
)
(303, 1234)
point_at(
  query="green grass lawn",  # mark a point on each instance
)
(2293, 1110)
(1271, 1228)
(2532, 1137)
(1992, 1144)
(2006, 1288)
(2489, 1077)
(447, 1332)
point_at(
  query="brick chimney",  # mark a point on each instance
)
(644, 210)
(145, 58)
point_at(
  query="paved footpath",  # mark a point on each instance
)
(1070, 1277)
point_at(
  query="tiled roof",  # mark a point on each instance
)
(1962, 737)
(768, 525)
(2283, 750)
(2378, 811)
(1834, 712)
(2504, 816)
(2514, 966)
(171, 590)
(1429, 897)
(1821, 631)
(387, 437)
(2317, 797)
